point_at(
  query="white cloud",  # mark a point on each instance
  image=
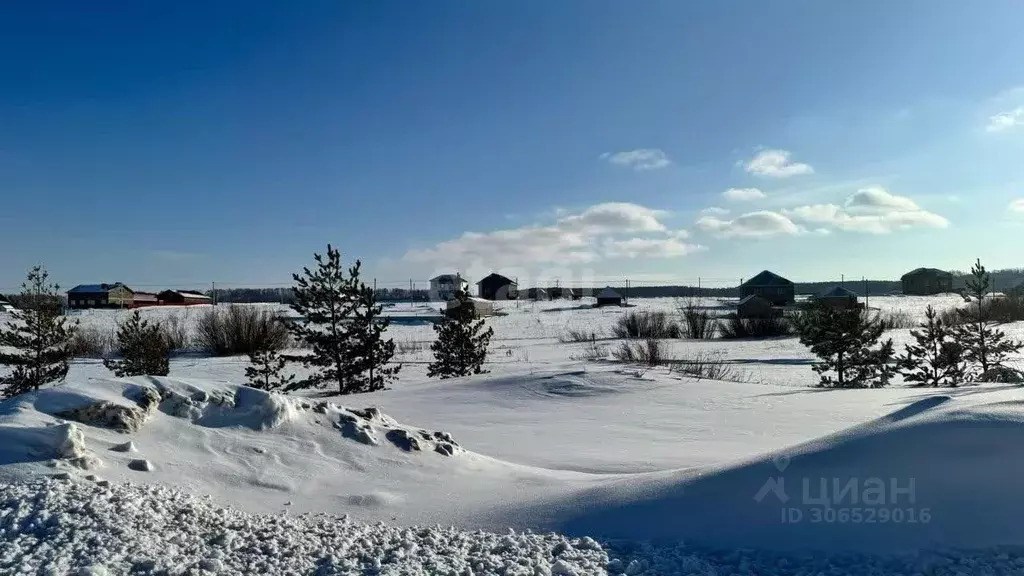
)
(761, 224)
(776, 164)
(649, 248)
(715, 211)
(613, 217)
(1005, 120)
(1017, 205)
(743, 194)
(609, 230)
(639, 159)
(870, 210)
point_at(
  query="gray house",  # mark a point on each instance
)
(609, 297)
(839, 297)
(927, 281)
(768, 285)
(754, 306)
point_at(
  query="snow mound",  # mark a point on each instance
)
(105, 414)
(140, 465)
(937, 472)
(367, 425)
(236, 406)
(128, 446)
(73, 527)
(27, 444)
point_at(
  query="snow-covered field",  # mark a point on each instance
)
(595, 467)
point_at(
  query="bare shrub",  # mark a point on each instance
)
(591, 351)
(698, 323)
(894, 319)
(410, 346)
(1001, 310)
(91, 342)
(707, 365)
(577, 335)
(646, 324)
(736, 327)
(649, 351)
(176, 332)
(240, 329)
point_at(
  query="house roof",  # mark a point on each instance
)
(752, 298)
(493, 276)
(97, 288)
(192, 294)
(767, 278)
(446, 277)
(839, 292)
(919, 271)
(4, 300)
(608, 293)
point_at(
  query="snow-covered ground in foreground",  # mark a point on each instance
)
(546, 442)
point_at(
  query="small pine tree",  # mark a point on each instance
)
(844, 340)
(340, 326)
(937, 359)
(39, 335)
(461, 345)
(266, 370)
(985, 346)
(369, 353)
(144, 349)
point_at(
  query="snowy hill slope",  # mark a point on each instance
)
(600, 453)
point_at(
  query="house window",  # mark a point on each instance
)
(92, 302)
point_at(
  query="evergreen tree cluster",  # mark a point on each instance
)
(846, 340)
(144, 349)
(39, 335)
(461, 345)
(341, 322)
(972, 349)
(266, 370)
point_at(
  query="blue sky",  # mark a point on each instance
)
(182, 143)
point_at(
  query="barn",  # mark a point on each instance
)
(537, 294)
(182, 298)
(839, 297)
(754, 306)
(497, 287)
(609, 297)
(143, 299)
(768, 285)
(115, 295)
(479, 306)
(927, 282)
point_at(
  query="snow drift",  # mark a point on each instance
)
(938, 472)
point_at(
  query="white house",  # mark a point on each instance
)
(445, 286)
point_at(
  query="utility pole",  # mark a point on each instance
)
(213, 292)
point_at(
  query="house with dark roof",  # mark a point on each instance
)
(537, 294)
(926, 282)
(5, 304)
(444, 286)
(609, 297)
(768, 285)
(115, 295)
(182, 298)
(839, 297)
(754, 306)
(497, 287)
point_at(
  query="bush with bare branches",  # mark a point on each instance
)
(646, 324)
(698, 322)
(240, 329)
